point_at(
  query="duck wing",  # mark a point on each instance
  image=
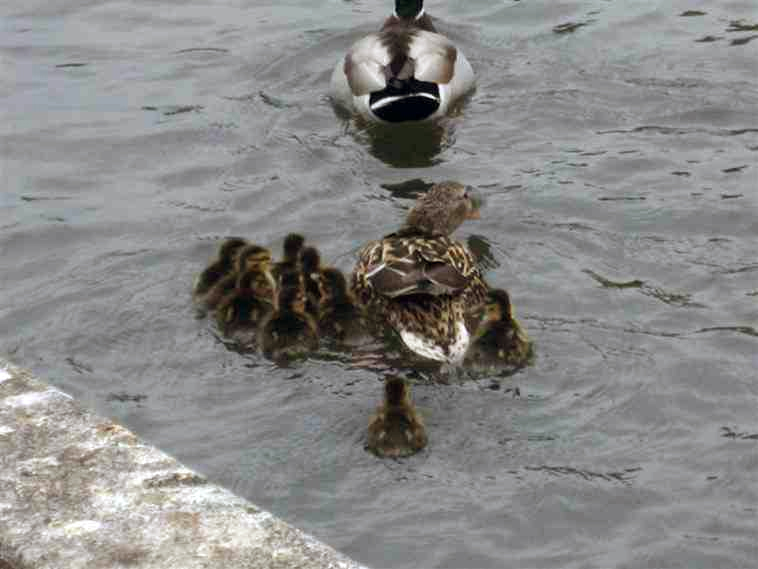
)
(404, 266)
(434, 57)
(365, 63)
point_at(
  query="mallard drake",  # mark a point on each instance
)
(248, 258)
(293, 245)
(339, 316)
(223, 265)
(290, 331)
(405, 72)
(421, 282)
(499, 339)
(396, 429)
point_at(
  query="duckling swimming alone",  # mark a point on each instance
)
(396, 429)
(290, 331)
(421, 282)
(405, 72)
(219, 268)
(499, 337)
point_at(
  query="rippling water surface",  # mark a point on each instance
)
(616, 144)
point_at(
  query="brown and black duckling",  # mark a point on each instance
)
(290, 331)
(339, 316)
(421, 282)
(249, 304)
(293, 245)
(310, 262)
(499, 337)
(224, 264)
(396, 429)
(249, 258)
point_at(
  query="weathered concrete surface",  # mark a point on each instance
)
(79, 491)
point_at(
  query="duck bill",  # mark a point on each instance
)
(476, 203)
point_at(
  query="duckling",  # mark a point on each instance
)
(422, 283)
(339, 316)
(290, 331)
(396, 429)
(249, 304)
(219, 268)
(310, 261)
(405, 72)
(249, 258)
(293, 244)
(499, 337)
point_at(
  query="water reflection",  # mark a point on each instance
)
(482, 250)
(409, 189)
(406, 145)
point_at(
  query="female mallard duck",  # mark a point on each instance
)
(221, 267)
(290, 331)
(499, 339)
(249, 258)
(339, 316)
(396, 429)
(421, 282)
(405, 72)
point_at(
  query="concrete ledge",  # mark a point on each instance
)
(78, 491)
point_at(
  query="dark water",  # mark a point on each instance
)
(619, 159)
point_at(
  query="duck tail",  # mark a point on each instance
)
(405, 98)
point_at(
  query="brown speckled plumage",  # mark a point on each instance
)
(416, 255)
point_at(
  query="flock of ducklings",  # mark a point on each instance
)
(418, 283)
(286, 305)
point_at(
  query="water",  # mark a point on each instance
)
(618, 159)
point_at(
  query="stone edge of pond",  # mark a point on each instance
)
(80, 491)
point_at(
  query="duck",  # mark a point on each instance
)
(396, 429)
(223, 265)
(339, 315)
(499, 338)
(310, 263)
(250, 257)
(249, 303)
(420, 282)
(290, 331)
(405, 72)
(293, 245)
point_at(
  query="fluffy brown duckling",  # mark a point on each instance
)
(249, 258)
(396, 429)
(290, 331)
(223, 265)
(499, 339)
(310, 263)
(339, 316)
(293, 245)
(249, 304)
